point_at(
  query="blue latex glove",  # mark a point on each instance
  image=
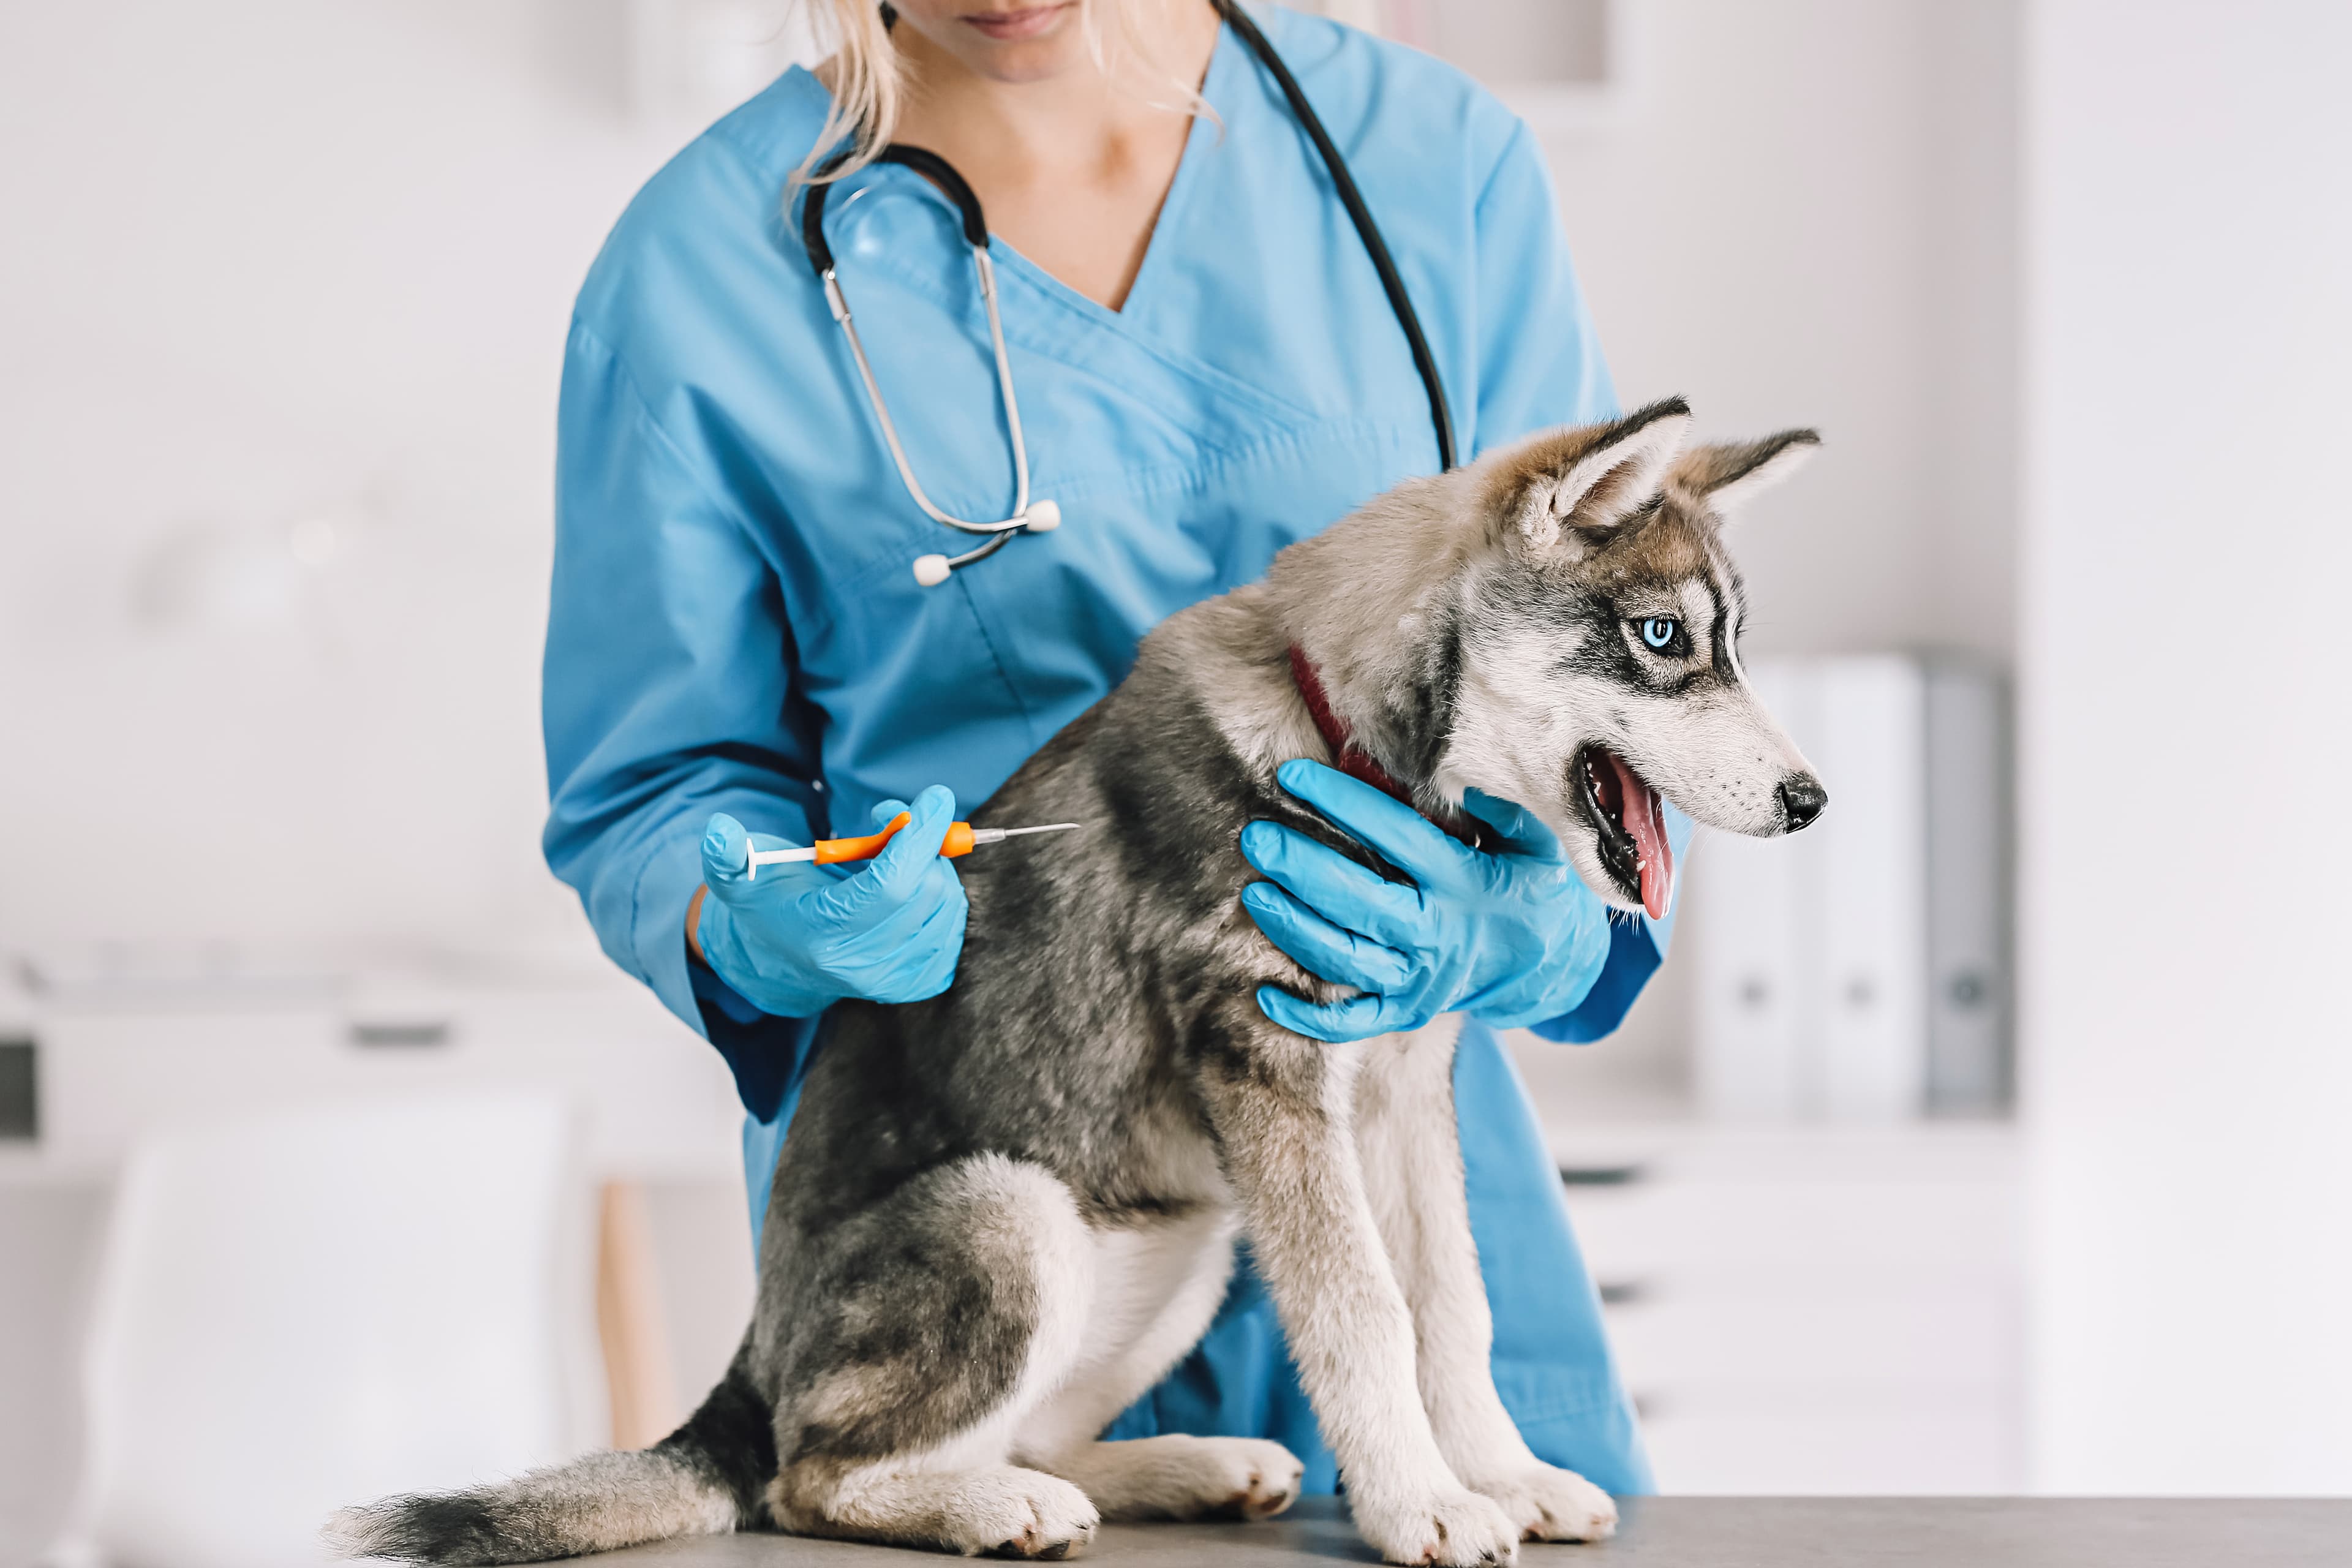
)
(800, 938)
(1512, 938)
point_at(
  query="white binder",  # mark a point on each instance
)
(1969, 1070)
(1755, 938)
(1856, 972)
(1873, 856)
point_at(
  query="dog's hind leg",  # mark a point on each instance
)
(918, 1335)
(1157, 1289)
(1283, 1108)
(1411, 1150)
(1178, 1476)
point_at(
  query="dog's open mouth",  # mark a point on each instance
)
(1630, 821)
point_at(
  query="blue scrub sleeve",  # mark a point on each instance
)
(667, 695)
(1538, 356)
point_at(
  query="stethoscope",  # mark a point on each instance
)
(1041, 515)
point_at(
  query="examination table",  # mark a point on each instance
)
(1709, 1532)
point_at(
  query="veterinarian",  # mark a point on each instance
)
(1208, 367)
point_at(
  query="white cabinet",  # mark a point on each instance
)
(1812, 1310)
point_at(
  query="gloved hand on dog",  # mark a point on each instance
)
(1512, 938)
(800, 937)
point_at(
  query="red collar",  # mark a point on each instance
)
(1352, 759)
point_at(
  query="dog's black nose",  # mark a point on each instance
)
(1801, 799)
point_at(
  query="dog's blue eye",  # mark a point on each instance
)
(1658, 631)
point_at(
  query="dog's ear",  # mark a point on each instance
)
(1728, 477)
(1584, 484)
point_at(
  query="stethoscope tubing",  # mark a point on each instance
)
(1045, 515)
(987, 271)
(975, 229)
(1376, 245)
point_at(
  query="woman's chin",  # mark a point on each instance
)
(1033, 45)
(1031, 59)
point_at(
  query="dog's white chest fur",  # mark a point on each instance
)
(1150, 1292)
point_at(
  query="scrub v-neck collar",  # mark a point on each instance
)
(1203, 128)
(1042, 315)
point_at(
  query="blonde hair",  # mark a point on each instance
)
(869, 83)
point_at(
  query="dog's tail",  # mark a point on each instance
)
(707, 1477)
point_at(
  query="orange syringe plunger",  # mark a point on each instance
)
(963, 839)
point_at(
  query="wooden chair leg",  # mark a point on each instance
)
(637, 1365)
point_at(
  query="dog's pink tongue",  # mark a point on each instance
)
(1645, 819)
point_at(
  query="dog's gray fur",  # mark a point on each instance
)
(1004, 1213)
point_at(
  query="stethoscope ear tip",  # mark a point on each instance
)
(931, 570)
(1043, 517)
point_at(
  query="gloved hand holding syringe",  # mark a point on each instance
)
(879, 917)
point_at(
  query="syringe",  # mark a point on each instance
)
(963, 839)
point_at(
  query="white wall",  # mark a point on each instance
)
(2187, 1059)
(269, 261)
(1805, 217)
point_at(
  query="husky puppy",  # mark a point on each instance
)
(1005, 1212)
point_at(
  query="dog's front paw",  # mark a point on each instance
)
(1454, 1528)
(1549, 1503)
(1012, 1512)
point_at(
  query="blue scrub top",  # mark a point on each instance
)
(735, 626)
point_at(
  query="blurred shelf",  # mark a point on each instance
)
(1560, 64)
(115, 1063)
